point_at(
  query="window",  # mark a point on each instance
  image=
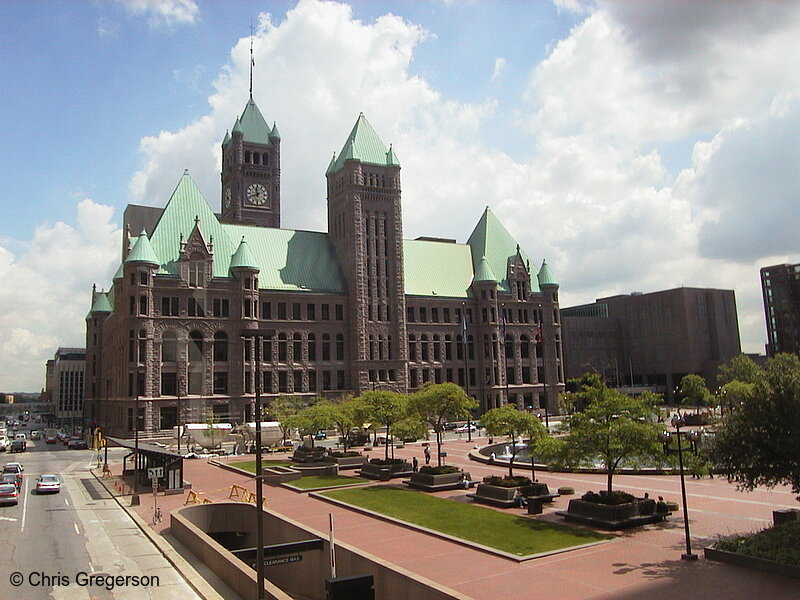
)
(310, 312)
(312, 347)
(221, 307)
(195, 308)
(220, 347)
(295, 311)
(298, 381)
(326, 380)
(221, 383)
(169, 307)
(143, 304)
(326, 347)
(410, 314)
(266, 310)
(312, 380)
(340, 312)
(326, 312)
(144, 277)
(446, 315)
(169, 384)
(282, 348)
(412, 348)
(168, 417)
(339, 348)
(196, 278)
(297, 347)
(434, 315)
(169, 347)
(339, 380)
(282, 311)
(423, 314)
(283, 381)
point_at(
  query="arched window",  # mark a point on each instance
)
(312, 347)
(220, 347)
(297, 347)
(169, 347)
(326, 346)
(339, 346)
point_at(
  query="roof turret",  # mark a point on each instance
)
(253, 125)
(484, 272)
(364, 145)
(101, 304)
(243, 258)
(546, 276)
(142, 251)
(237, 128)
(274, 134)
(227, 139)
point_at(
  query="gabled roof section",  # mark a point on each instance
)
(178, 220)
(490, 240)
(484, 271)
(546, 276)
(437, 269)
(253, 125)
(243, 258)
(142, 251)
(363, 144)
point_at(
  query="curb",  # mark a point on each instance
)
(196, 581)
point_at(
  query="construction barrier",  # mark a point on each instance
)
(238, 492)
(194, 498)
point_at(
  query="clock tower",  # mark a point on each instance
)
(251, 171)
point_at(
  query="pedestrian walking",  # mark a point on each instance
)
(415, 464)
(427, 454)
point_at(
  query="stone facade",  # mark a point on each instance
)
(168, 336)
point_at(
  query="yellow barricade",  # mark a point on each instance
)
(194, 498)
(238, 492)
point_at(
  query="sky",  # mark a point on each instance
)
(635, 145)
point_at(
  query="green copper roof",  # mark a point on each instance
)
(484, 271)
(491, 240)
(546, 276)
(227, 139)
(243, 258)
(120, 271)
(101, 304)
(237, 127)
(437, 269)
(288, 259)
(253, 125)
(364, 144)
(274, 134)
(142, 251)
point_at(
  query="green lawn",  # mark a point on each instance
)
(250, 465)
(500, 530)
(325, 481)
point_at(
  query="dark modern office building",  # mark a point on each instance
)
(780, 286)
(353, 309)
(652, 339)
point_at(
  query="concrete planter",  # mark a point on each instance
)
(434, 483)
(613, 516)
(497, 495)
(349, 462)
(752, 562)
(387, 471)
(308, 455)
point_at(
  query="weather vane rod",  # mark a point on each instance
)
(252, 60)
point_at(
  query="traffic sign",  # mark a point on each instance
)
(155, 472)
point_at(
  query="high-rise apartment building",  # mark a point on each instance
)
(780, 287)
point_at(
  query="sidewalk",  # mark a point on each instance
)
(642, 564)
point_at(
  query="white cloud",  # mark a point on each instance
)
(46, 290)
(500, 64)
(164, 13)
(605, 107)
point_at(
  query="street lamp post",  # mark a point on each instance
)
(257, 334)
(178, 393)
(135, 497)
(666, 437)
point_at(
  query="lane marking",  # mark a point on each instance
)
(9, 519)
(77, 531)
(24, 503)
(66, 501)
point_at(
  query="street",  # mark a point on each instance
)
(55, 543)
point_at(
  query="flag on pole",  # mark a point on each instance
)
(538, 336)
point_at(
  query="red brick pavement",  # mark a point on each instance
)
(643, 564)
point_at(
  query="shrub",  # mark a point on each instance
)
(776, 543)
(428, 470)
(507, 481)
(616, 497)
(347, 454)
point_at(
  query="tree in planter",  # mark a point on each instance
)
(385, 408)
(581, 392)
(613, 428)
(438, 403)
(311, 420)
(537, 436)
(694, 392)
(410, 427)
(509, 421)
(759, 442)
(341, 414)
(282, 409)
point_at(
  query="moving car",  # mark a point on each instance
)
(48, 484)
(16, 469)
(36, 435)
(8, 493)
(465, 428)
(77, 445)
(19, 446)
(10, 478)
(50, 439)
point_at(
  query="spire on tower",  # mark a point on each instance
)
(252, 60)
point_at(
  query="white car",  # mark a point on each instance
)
(465, 428)
(46, 484)
(4, 442)
(36, 435)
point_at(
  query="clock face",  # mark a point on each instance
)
(227, 197)
(257, 194)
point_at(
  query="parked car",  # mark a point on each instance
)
(466, 428)
(36, 435)
(320, 435)
(48, 484)
(50, 439)
(8, 493)
(4, 443)
(450, 426)
(77, 445)
(19, 445)
(11, 478)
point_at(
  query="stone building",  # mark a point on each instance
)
(354, 309)
(652, 340)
